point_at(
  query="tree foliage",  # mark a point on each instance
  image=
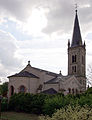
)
(26, 102)
(4, 104)
(89, 91)
(48, 104)
(4, 89)
(71, 113)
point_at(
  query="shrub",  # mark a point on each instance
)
(37, 103)
(85, 100)
(51, 104)
(57, 102)
(71, 113)
(4, 104)
(46, 104)
(89, 91)
(26, 102)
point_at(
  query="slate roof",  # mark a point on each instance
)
(50, 91)
(24, 74)
(67, 77)
(52, 81)
(57, 79)
(47, 72)
(76, 39)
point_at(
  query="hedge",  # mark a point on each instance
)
(47, 104)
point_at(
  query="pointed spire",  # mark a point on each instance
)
(76, 39)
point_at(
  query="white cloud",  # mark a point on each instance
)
(61, 16)
(8, 60)
(50, 24)
(58, 18)
(20, 9)
(51, 59)
(34, 23)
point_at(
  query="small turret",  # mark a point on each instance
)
(60, 72)
(29, 62)
(84, 44)
(68, 43)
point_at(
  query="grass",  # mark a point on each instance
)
(18, 116)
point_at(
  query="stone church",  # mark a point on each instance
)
(35, 80)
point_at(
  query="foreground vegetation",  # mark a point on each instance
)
(56, 106)
(47, 104)
(71, 113)
(18, 116)
(4, 89)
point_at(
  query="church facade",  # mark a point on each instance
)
(35, 80)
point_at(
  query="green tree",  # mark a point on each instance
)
(89, 91)
(4, 89)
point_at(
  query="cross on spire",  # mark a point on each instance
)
(76, 7)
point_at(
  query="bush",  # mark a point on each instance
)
(85, 100)
(37, 103)
(46, 104)
(89, 91)
(56, 102)
(51, 104)
(4, 104)
(26, 102)
(71, 113)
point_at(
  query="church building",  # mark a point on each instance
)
(35, 80)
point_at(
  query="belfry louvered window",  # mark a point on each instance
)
(73, 58)
(73, 69)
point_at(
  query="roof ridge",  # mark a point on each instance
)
(45, 71)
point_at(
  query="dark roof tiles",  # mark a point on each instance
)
(24, 74)
(50, 91)
(52, 81)
(47, 72)
(57, 79)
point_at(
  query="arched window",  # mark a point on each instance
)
(73, 58)
(73, 91)
(11, 90)
(22, 89)
(73, 69)
(69, 89)
(83, 62)
(76, 91)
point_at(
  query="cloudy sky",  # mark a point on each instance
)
(38, 30)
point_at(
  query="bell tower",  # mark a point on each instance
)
(77, 54)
